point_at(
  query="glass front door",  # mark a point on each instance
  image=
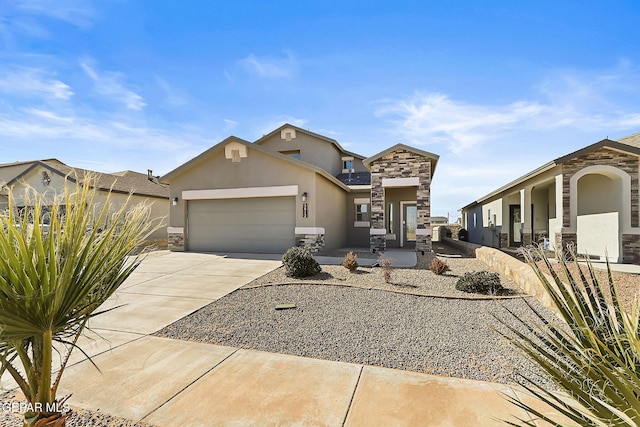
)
(409, 223)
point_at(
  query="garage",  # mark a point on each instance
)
(258, 225)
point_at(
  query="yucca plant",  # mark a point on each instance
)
(54, 277)
(593, 357)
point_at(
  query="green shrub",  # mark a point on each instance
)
(439, 267)
(298, 262)
(480, 282)
(350, 261)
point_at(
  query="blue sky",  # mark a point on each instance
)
(496, 88)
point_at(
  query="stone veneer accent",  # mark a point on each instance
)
(631, 248)
(175, 242)
(504, 240)
(314, 241)
(603, 156)
(401, 163)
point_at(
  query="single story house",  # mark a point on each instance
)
(588, 199)
(295, 187)
(51, 175)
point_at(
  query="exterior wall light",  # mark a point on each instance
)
(304, 197)
(174, 202)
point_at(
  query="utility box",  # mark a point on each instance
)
(436, 234)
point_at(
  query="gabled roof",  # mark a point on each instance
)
(605, 143)
(122, 182)
(434, 157)
(313, 134)
(633, 140)
(220, 146)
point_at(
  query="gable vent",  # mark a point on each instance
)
(287, 134)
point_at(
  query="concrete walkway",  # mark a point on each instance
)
(170, 382)
(399, 258)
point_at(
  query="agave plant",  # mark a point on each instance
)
(53, 278)
(593, 357)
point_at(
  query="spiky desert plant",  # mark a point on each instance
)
(593, 357)
(53, 279)
(350, 261)
(438, 267)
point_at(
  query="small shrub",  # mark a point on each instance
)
(298, 262)
(385, 264)
(480, 282)
(350, 261)
(439, 267)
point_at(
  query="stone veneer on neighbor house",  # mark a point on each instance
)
(607, 157)
(401, 163)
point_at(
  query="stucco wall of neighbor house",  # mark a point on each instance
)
(598, 236)
(604, 156)
(357, 233)
(159, 206)
(330, 213)
(316, 151)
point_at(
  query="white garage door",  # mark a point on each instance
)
(260, 225)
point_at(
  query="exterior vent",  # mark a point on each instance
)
(287, 134)
(235, 156)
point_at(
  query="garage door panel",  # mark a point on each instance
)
(242, 225)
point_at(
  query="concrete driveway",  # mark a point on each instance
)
(164, 288)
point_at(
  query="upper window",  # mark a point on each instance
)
(295, 154)
(347, 164)
(362, 212)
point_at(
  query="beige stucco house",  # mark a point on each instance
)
(50, 177)
(588, 198)
(295, 187)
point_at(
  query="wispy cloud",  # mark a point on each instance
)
(270, 67)
(565, 100)
(34, 83)
(110, 85)
(172, 97)
(438, 119)
(79, 13)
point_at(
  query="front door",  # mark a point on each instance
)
(515, 220)
(409, 224)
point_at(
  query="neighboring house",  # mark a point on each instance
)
(295, 187)
(50, 176)
(588, 198)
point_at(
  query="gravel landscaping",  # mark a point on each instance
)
(418, 322)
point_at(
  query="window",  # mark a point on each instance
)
(294, 154)
(390, 217)
(347, 164)
(362, 212)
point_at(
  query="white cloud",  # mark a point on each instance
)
(76, 12)
(270, 67)
(33, 82)
(577, 100)
(172, 96)
(110, 85)
(435, 118)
